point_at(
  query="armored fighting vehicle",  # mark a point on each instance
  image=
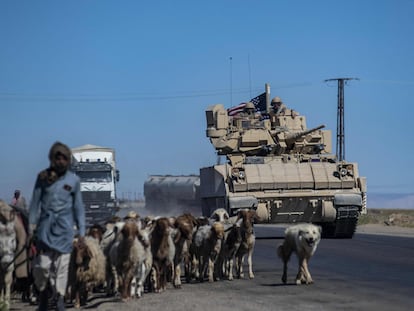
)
(281, 168)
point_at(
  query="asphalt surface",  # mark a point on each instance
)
(368, 272)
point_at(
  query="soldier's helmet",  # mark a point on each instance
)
(249, 106)
(276, 100)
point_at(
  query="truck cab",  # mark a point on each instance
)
(98, 175)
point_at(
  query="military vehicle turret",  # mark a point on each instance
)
(284, 170)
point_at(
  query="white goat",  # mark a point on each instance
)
(206, 247)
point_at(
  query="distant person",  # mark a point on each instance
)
(19, 201)
(278, 108)
(19, 205)
(249, 110)
(56, 207)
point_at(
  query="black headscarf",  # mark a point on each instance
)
(50, 175)
(61, 148)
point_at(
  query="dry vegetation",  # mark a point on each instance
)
(389, 217)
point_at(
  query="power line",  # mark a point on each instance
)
(145, 96)
(117, 97)
(398, 82)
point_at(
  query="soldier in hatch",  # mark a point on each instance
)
(278, 108)
(249, 111)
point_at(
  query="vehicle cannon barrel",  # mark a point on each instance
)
(292, 137)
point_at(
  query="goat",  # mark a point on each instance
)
(247, 243)
(231, 244)
(220, 215)
(127, 256)
(109, 238)
(86, 270)
(145, 261)
(207, 243)
(163, 250)
(96, 231)
(185, 225)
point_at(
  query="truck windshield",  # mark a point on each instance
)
(93, 176)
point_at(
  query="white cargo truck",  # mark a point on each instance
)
(96, 168)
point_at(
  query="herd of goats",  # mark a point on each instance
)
(128, 256)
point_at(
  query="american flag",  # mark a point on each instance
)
(258, 101)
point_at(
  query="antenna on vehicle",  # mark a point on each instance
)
(250, 75)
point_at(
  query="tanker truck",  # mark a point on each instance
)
(172, 195)
(98, 175)
(281, 168)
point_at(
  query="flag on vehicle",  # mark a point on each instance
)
(259, 102)
(236, 109)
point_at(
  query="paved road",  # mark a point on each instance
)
(369, 272)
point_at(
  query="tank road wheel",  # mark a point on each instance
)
(328, 230)
(345, 228)
(345, 225)
(341, 229)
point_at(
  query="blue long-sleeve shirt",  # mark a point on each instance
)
(55, 209)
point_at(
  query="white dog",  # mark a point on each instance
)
(302, 239)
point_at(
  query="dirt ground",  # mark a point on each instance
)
(387, 221)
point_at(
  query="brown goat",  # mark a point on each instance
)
(185, 225)
(125, 257)
(231, 244)
(86, 269)
(163, 250)
(247, 243)
(96, 231)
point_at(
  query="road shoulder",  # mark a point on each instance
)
(385, 230)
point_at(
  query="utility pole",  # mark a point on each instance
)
(231, 81)
(340, 122)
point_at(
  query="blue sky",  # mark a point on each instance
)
(138, 76)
